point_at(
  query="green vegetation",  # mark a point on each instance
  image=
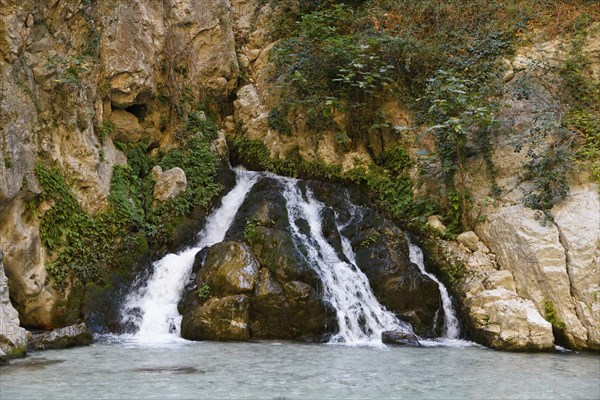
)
(79, 243)
(583, 116)
(204, 292)
(83, 246)
(250, 234)
(551, 316)
(458, 110)
(105, 129)
(68, 70)
(387, 183)
(338, 62)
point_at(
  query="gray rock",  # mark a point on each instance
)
(13, 338)
(400, 338)
(61, 338)
(468, 239)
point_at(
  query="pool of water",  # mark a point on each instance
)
(281, 370)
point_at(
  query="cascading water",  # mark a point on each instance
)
(451, 325)
(360, 316)
(159, 320)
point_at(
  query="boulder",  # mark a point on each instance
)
(468, 239)
(382, 254)
(435, 223)
(291, 311)
(504, 321)
(127, 127)
(400, 338)
(169, 184)
(229, 268)
(61, 338)
(226, 318)
(494, 313)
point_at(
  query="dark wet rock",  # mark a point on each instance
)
(61, 338)
(291, 311)
(222, 319)
(399, 338)
(264, 206)
(199, 259)
(276, 251)
(382, 254)
(331, 233)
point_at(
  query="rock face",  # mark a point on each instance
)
(554, 263)
(62, 338)
(76, 76)
(13, 338)
(494, 313)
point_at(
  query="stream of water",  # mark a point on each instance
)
(451, 324)
(153, 308)
(360, 316)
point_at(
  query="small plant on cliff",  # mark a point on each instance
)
(250, 233)
(204, 292)
(551, 316)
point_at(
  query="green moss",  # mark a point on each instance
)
(551, 316)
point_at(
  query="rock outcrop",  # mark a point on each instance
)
(62, 338)
(13, 338)
(494, 313)
(259, 284)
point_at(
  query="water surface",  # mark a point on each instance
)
(273, 370)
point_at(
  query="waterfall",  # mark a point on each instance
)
(451, 326)
(156, 302)
(360, 316)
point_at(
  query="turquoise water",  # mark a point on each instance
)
(273, 370)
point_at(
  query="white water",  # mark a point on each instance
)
(157, 300)
(451, 326)
(360, 316)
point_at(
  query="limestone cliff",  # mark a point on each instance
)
(87, 84)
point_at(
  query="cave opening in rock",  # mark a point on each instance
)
(139, 110)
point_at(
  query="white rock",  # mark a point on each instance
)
(469, 240)
(435, 222)
(169, 184)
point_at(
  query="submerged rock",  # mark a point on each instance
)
(61, 338)
(400, 338)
